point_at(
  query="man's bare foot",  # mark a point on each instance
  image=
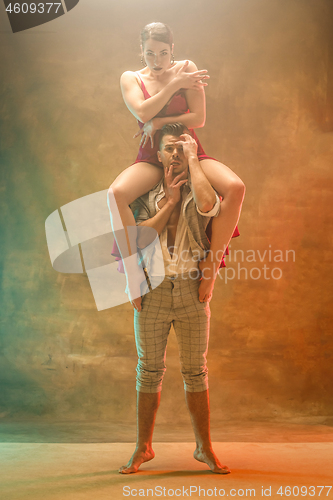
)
(138, 458)
(209, 458)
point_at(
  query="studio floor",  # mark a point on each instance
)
(266, 460)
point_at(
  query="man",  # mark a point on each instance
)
(179, 209)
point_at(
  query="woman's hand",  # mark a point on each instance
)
(193, 80)
(148, 131)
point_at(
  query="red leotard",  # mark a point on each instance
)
(177, 105)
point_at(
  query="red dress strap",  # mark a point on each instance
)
(143, 87)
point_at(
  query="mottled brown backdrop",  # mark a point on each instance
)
(66, 133)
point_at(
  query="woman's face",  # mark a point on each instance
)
(157, 56)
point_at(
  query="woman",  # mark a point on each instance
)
(168, 91)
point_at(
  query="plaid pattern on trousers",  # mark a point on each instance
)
(174, 302)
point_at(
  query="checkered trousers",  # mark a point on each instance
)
(174, 302)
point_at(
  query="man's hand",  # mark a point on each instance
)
(207, 282)
(190, 146)
(173, 185)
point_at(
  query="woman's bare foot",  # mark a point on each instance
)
(138, 458)
(208, 457)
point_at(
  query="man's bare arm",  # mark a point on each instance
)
(203, 193)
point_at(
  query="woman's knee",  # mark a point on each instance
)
(119, 193)
(236, 190)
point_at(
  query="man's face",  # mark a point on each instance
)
(172, 153)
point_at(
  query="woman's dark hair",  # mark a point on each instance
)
(157, 31)
(174, 129)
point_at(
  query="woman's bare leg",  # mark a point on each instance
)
(133, 182)
(232, 189)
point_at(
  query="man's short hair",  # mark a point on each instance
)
(174, 129)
